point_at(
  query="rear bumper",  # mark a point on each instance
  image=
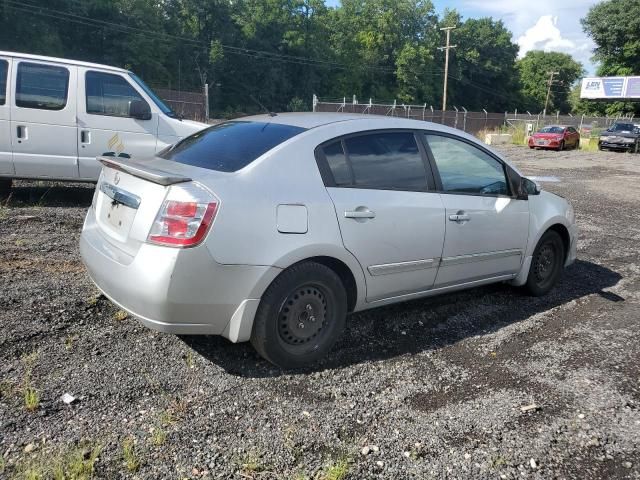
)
(179, 291)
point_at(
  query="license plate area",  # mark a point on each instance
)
(116, 211)
(542, 142)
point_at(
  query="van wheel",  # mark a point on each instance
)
(301, 315)
(5, 187)
(546, 265)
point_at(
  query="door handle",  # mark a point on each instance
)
(21, 131)
(459, 217)
(85, 136)
(359, 214)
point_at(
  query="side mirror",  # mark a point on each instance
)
(529, 187)
(140, 110)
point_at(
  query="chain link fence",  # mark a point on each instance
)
(188, 105)
(469, 121)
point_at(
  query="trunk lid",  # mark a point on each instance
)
(129, 195)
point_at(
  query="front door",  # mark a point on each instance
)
(388, 218)
(486, 227)
(6, 155)
(43, 120)
(104, 123)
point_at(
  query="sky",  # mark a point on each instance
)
(551, 25)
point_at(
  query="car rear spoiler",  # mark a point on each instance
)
(140, 170)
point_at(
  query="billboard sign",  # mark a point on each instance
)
(611, 88)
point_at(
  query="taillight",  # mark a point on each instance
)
(184, 218)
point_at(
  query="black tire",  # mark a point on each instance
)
(301, 315)
(546, 265)
(5, 187)
(561, 147)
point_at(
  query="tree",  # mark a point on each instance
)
(483, 73)
(535, 68)
(614, 26)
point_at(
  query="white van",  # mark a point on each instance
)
(57, 116)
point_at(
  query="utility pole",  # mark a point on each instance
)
(546, 102)
(446, 49)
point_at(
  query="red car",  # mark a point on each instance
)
(556, 137)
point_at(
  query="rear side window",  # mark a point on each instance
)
(4, 67)
(230, 146)
(338, 165)
(109, 94)
(44, 87)
(387, 160)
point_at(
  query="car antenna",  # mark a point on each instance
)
(266, 110)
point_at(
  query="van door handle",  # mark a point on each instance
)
(364, 213)
(85, 136)
(21, 132)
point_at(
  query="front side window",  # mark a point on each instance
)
(466, 169)
(229, 146)
(40, 86)
(109, 94)
(386, 160)
(4, 67)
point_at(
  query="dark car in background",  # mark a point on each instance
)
(556, 137)
(620, 136)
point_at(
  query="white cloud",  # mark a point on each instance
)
(544, 35)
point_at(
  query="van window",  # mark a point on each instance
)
(109, 94)
(229, 146)
(4, 67)
(41, 86)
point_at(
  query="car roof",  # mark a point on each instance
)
(309, 120)
(28, 56)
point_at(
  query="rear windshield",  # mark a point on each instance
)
(229, 146)
(552, 130)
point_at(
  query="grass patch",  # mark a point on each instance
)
(68, 342)
(158, 436)
(337, 470)
(190, 359)
(76, 465)
(31, 399)
(590, 145)
(120, 315)
(130, 455)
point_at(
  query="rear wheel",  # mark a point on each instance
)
(301, 315)
(546, 265)
(5, 187)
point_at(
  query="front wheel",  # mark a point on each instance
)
(546, 265)
(301, 315)
(5, 187)
(561, 147)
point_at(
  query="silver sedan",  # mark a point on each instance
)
(273, 228)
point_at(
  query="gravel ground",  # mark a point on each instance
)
(427, 389)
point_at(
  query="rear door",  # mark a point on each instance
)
(487, 228)
(43, 120)
(6, 155)
(104, 123)
(389, 219)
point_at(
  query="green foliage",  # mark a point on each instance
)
(280, 52)
(130, 455)
(614, 26)
(534, 70)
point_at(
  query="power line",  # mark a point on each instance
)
(247, 52)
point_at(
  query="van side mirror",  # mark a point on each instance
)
(140, 110)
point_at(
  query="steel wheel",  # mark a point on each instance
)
(546, 264)
(303, 315)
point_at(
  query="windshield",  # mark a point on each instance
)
(229, 146)
(622, 127)
(552, 130)
(156, 99)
